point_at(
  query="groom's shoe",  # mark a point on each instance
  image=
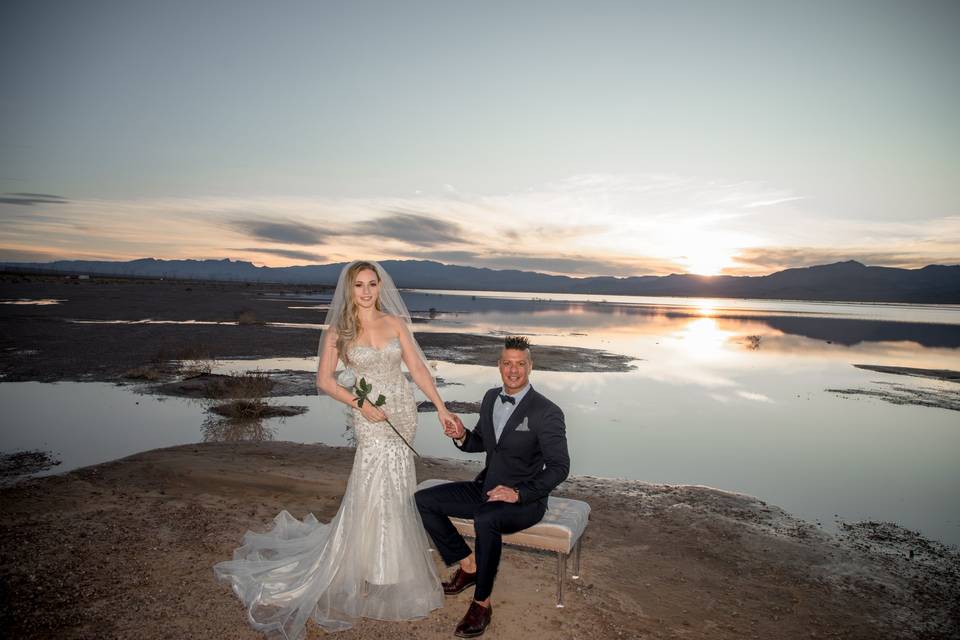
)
(460, 581)
(475, 622)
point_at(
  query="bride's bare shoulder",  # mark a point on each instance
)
(396, 323)
(390, 320)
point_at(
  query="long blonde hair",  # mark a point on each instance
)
(348, 324)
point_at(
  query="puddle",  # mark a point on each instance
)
(43, 301)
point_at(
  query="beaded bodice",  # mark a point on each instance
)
(380, 367)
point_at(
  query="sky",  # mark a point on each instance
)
(579, 138)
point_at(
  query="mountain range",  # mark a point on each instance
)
(850, 280)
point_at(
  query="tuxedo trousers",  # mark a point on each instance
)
(490, 521)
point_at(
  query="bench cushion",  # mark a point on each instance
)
(561, 526)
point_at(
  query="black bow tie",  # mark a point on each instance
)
(505, 398)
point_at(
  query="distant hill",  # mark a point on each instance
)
(848, 280)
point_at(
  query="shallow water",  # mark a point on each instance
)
(37, 301)
(726, 393)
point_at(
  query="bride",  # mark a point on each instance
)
(373, 558)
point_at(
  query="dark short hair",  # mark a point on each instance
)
(520, 343)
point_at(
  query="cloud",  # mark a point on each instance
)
(415, 228)
(12, 254)
(404, 226)
(597, 224)
(16, 253)
(35, 220)
(546, 233)
(571, 265)
(289, 232)
(756, 397)
(286, 253)
(763, 260)
(31, 199)
(769, 203)
(444, 256)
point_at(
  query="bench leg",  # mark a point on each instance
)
(561, 569)
(576, 559)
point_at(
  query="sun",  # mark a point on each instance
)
(698, 252)
(707, 261)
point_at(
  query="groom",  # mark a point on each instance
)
(524, 437)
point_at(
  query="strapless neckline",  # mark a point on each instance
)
(366, 346)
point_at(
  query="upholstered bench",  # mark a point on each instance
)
(560, 532)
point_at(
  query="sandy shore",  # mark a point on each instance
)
(125, 549)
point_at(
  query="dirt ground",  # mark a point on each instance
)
(125, 549)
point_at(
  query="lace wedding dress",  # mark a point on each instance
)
(373, 558)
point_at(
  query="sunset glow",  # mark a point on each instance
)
(466, 152)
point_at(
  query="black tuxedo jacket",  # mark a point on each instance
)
(532, 460)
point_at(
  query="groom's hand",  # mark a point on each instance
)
(454, 428)
(503, 494)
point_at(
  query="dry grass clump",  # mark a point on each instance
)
(194, 359)
(246, 409)
(242, 419)
(189, 360)
(248, 316)
(253, 384)
(241, 416)
(225, 430)
(242, 409)
(167, 361)
(146, 372)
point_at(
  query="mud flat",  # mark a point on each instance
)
(101, 329)
(125, 549)
(943, 392)
(946, 375)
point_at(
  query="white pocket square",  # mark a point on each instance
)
(523, 426)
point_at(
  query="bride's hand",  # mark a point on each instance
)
(372, 412)
(453, 428)
(446, 418)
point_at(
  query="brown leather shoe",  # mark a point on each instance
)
(460, 581)
(475, 622)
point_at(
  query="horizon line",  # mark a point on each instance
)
(447, 264)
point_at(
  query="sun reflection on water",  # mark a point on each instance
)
(703, 339)
(706, 308)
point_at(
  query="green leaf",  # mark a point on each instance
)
(380, 400)
(360, 401)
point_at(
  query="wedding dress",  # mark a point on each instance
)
(373, 558)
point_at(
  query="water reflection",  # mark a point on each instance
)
(890, 311)
(298, 325)
(926, 325)
(217, 429)
(703, 338)
(722, 395)
(37, 301)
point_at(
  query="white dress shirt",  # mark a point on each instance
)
(503, 410)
